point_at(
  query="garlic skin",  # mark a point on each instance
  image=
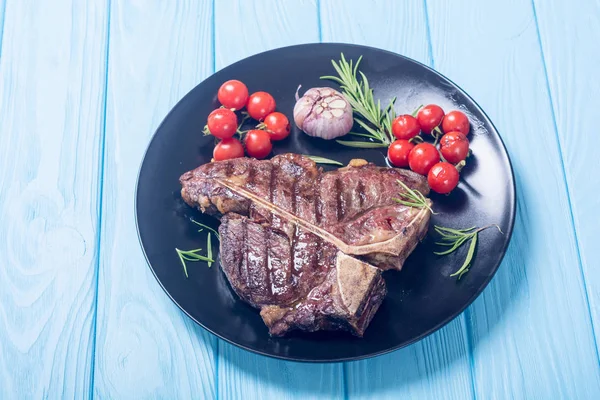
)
(323, 112)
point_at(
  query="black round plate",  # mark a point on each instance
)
(421, 298)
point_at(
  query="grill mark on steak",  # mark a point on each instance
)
(294, 244)
(269, 264)
(324, 234)
(252, 174)
(300, 223)
(244, 264)
(257, 257)
(339, 199)
(318, 202)
(316, 261)
(271, 180)
(297, 267)
(295, 194)
(258, 181)
(360, 191)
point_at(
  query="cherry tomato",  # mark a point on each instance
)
(277, 125)
(456, 121)
(260, 104)
(258, 143)
(227, 149)
(405, 127)
(422, 157)
(222, 123)
(429, 117)
(398, 152)
(454, 146)
(443, 177)
(233, 94)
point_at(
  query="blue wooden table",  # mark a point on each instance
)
(84, 84)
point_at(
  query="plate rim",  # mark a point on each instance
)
(423, 335)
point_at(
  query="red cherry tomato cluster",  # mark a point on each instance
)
(223, 122)
(440, 164)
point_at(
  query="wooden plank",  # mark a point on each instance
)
(146, 347)
(246, 375)
(532, 335)
(51, 109)
(260, 26)
(437, 367)
(571, 66)
(244, 28)
(2, 14)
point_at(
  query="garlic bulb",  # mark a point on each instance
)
(323, 112)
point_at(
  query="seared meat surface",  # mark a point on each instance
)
(303, 245)
(328, 290)
(290, 189)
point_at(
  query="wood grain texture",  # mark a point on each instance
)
(264, 25)
(244, 28)
(437, 367)
(146, 347)
(531, 330)
(244, 375)
(564, 29)
(52, 90)
(66, 165)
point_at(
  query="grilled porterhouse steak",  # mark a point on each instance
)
(303, 245)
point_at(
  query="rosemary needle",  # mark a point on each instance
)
(209, 250)
(194, 255)
(362, 145)
(412, 198)
(323, 160)
(191, 255)
(206, 227)
(355, 87)
(455, 238)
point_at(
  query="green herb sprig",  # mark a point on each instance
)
(412, 198)
(454, 238)
(194, 255)
(209, 250)
(206, 227)
(323, 160)
(360, 144)
(375, 121)
(191, 255)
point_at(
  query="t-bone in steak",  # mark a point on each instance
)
(326, 290)
(305, 246)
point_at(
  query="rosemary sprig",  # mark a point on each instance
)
(191, 255)
(412, 198)
(389, 116)
(209, 250)
(414, 113)
(375, 121)
(323, 160)
(454, 238)
(206, 227)
(362, 145)
(194, 255)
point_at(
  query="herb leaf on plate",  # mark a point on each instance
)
(455, 238)
(323, 160)
(355, 87)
